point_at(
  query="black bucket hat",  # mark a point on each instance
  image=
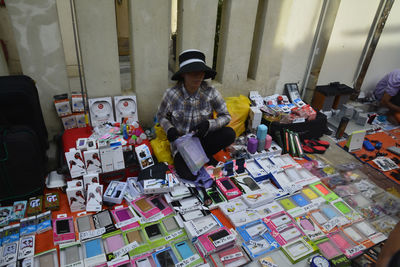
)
(193, 60)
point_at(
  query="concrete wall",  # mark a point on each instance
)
(3, 64)
(347, 41)
(263, 44)
(387, 55)
(7, 36)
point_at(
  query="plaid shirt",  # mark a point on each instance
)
(183, 111)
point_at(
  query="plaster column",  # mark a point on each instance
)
(268, 43)
(235, 41)
(97, 29)
(38, 39)
(196, 27)
(3, 64)
(150, 25)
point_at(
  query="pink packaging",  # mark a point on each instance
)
(143, 260)
(145, 207)
(126, 218)
(208, 240)
(228, 188)
(159, 202)
(268, 142)
(63, 230)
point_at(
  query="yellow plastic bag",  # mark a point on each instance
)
(161, 147)
(238, 107)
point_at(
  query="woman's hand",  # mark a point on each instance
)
(172, 134)
(201, 129)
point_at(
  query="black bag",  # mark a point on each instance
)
(22, 170)
(312, 129)
(19, 105)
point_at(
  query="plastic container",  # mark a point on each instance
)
(192, 152)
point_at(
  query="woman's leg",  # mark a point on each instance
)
(182, 169)
(217, 140)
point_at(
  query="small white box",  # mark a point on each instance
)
(94, 197)
(69, 122)
(115, 192)
(80, 120)
(125, 107)
(118, 156)
(76, 195)
(101, 110)
(90, 178)
(62, 107)
(107, 162)
(156, 186)
(255, 116)
(77, 102)
(144, 156)
(81, 144)
(92, 161)
(75, 163)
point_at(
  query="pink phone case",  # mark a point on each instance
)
(207, 243)
(167, 210)
(65, 237)
(124, 214)
(228, 193)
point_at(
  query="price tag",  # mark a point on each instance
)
(184, 210)
(268, 263)
(63, 215)
(91, 233)
(354, 250)
(188, 261)
(292, 188)
(205, 228)
(126, 222)
(281, 228)
(224, 240)
(173, 235)
(263, 231)
(255, 243)
(311, 206)
(124, 250)
(234, 193)
(232, 256)
(332, 223)
(154, 218)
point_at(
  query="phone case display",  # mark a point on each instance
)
(101, 110)
(125, 107)
(232, 257)
(345, 244)
(369, 231)
(242, 217)
(356, 236)
(104, 219)
(145, 207)
(84, 223)
(113, 241)
(215, 241)
(159, 202)
(299, 249)
(228, 188)
(246, 183)
(145, 260)
(71, 253)
(346, 210)
(324, 222)
(260, 245)
(47, 258)
(165, 257)
(137, 235)
(328, 248)
(186, 253)
(258, 198)
(255, 170)
(93, 249)
(268, 209)
(323, 191)
(63, 230)
(125, 218)
(308, 226)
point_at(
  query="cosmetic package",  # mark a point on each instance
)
(125, 218)
(19, 209)
(231, 257)
(26, 247)
(299, 249)
(115, 192)
(71, 254)
(35, 205)
(43, 222)
(28, 226)
(63, 230)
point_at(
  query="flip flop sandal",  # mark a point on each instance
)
(314, 149)
(317, 143)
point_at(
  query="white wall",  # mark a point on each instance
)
(350, 32)
(3, 64)
(387, 53)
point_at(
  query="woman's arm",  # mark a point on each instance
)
(223, 117)
(385, 101)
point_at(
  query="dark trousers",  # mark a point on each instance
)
(212, 143)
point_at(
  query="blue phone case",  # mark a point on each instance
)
(329, 212)
(300, 200)
(184, 249)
